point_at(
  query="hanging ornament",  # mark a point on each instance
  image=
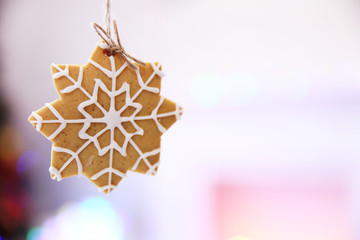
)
(110, 116)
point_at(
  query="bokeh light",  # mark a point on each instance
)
(33, 234)
(93, 218)
(26, 160)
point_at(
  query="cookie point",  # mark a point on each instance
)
(158, 65)
(53, 69)
(31, 117)
(34, 124)
(36, 120)
(157, 69)
(55, 174)
(181, 111)
(106, 191)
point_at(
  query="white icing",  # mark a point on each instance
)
(57, 175)
(157, 70)
(107, 170)
(177, 112)
(112, 118)
(60, 118)
(67, 75)
(144, 156)
(71, 88)
(154, 116)
(61, 72)
(144, 85)
(73, 156)
(38, 121)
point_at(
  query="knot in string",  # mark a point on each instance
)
(115, 46)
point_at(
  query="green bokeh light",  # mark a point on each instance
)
(33, 234)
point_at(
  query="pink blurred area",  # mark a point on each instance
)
(268, 146)
(284, 210)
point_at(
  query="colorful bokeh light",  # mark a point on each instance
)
(26, 160)
(91, 219)
(33, 234)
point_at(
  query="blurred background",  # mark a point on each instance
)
(268, 147)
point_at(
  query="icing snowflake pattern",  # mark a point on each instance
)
(118, 115)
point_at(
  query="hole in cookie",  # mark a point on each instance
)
(107, 52)
(94, 111)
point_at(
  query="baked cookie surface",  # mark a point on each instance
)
(109, 119)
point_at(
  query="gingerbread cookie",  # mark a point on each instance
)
(109, 119)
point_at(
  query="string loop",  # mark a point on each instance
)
(115, 46)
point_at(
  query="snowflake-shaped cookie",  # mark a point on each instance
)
(109, 119)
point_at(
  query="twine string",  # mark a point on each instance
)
(115, 46)
(108, 18)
